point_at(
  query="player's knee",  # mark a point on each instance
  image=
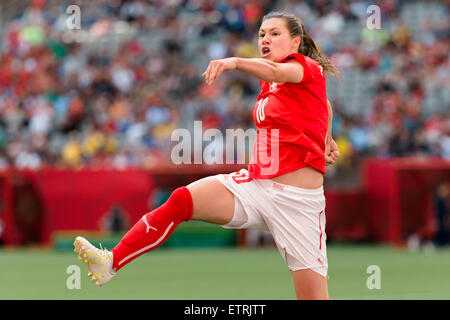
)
(182, 200)
(179, 196)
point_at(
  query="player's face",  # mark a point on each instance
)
(275, 41)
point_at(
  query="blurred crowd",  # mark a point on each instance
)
(110, 93)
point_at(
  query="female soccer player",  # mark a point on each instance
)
(282, 190)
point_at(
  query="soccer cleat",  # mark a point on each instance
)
(98, 261)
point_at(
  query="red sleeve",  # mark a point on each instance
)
(300, 59)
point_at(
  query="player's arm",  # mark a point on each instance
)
(330, 120)
(263, 69)
(331, 149)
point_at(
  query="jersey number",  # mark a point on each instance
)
(240, 177)
(260, 115)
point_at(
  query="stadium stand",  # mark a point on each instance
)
(112, 92)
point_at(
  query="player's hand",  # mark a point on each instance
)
(331, 152)
(216, 67)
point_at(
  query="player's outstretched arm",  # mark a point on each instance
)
(260, 68)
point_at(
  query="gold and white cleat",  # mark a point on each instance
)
(98, 261)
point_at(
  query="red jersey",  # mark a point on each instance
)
(292, 122)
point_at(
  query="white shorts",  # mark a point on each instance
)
(294, 216)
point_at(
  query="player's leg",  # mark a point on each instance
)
(212, 201)
(309, 285)
(207, 200)
(299, 232)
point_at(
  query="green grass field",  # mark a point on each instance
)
(179, 274)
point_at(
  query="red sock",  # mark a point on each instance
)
(153, 228)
